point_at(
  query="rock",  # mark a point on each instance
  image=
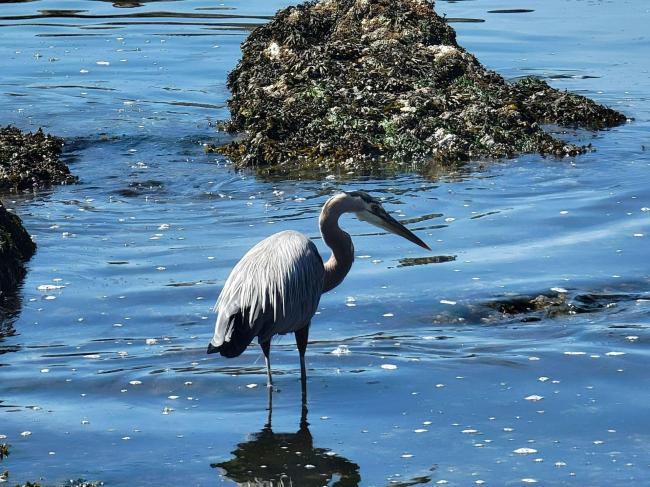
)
(16, 247)
(30, 160)
(346, 83)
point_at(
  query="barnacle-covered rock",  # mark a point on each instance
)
(345, 83)
(30, 160)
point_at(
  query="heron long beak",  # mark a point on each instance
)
(393, 226)
(383, 220)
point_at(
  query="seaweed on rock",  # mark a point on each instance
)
(343, 83)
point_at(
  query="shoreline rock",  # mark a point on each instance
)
(30, 161)
(343, 84)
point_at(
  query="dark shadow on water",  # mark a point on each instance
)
(271, 458)
(436, 259)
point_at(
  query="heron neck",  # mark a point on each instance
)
(340, 262)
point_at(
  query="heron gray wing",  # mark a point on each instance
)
(275, 287)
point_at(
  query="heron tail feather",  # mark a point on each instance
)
(236, 337)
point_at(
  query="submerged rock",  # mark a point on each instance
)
(342, 83)
(30, 160)
(16, 247)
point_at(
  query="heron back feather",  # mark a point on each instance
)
(275, 289)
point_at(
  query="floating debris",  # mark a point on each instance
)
(534, 398)
(49, 287)
(341, 350)
(355, 85)
(524, 451)
(388, 366)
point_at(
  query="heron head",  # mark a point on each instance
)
(370, 210)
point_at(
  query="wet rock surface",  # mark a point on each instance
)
(30, 160)
(559, 303)
(16, 247)
(554, 304)
(346, 83)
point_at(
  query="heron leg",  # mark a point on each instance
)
(302, 336)
(266, 348)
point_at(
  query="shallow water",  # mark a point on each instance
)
(105, 361)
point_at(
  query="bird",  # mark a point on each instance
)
(276, 286)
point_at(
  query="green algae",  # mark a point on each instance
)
(357, 85)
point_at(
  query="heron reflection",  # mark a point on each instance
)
(282, 459)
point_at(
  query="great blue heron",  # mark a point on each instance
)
(275, 288)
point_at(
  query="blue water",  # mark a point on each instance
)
(109, 374)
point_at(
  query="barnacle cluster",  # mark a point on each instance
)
(30, 160)
(347, 83)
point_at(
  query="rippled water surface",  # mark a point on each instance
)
(424, 368)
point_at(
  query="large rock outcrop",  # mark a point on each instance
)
(347, 83)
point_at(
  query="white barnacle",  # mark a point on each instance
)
(443, 138)
(443, 51)
(273, 51)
